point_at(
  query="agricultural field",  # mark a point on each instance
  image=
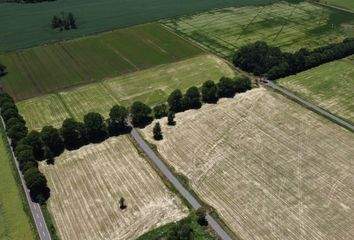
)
(151, 86)
(32, 21)
(51, 68)
(15, 224)
(286, 25)
(348, 4)
(86, 186)
(271, 168)
(329, 86)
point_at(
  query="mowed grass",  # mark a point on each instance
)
(349, 4)
(151, 86)
(271, 168)
(15, 224)
(86, 186)
(330, 86)
(51, 68)
(28, 25)
(282, 24)
(44, 111)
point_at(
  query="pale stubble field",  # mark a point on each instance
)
(271, 168)
(86, 186)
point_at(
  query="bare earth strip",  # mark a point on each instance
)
(271, 168)
(87, 184)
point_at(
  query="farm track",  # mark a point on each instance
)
(123, 57)
(180, 188)
(81, 68)
(310, 105)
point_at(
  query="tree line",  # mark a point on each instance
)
(50, 142)
(25, 148)
(210, 92)
(263, 60)
(62, 22)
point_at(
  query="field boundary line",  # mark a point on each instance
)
(122, 56)
(82, 69)
(28, 72)
(35, 208)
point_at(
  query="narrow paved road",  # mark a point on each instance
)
(182, 190)
(310, 105)
(35, 208)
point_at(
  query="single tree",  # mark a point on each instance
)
(201, 217)
(242, 84)
(175, 101)
(73, 133)
(122, 204)
(34, 140)
(9, 113)
(226, 88)
(160, 111)
(55, 22)
(171, 118)
(2, 70)
(96, 127)
(72, 21)
(117, 122)
(192, 98)
(209, 92)
(16, 133)
(52, 139)
(37, 184)
(140, 114)
(157, 131)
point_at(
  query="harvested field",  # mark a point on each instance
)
(271, 168)
(329, 86)
(286, 25)
(151, 86)
(87, 184)
(55, 67)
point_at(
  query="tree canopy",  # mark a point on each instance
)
(96, 127)
(52, 139)
(117, 122)
(140, 114)
(209, 92)
(175, 101)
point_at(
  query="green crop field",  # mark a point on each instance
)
(151, 86)
(349, 4)
(27, 25)
(329, 86)
(51, 68)
(286, 25)
(14, 223)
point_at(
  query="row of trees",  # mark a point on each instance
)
(210, 92)
(261, 59)
(51, 142)
(26, 149)
(62, 22)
